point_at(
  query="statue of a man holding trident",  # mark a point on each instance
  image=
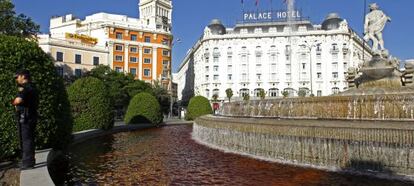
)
(374, 25)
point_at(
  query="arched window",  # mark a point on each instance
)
(335, 90)
(244, 92)
(257, 92)
(273, 92)
(290, 91)
(207, 93)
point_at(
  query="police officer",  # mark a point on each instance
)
(26, 103)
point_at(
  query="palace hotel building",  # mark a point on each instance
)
(139, 46)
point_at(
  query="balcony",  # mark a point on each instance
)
(345, 50)
(207, 54)
(229, 53)
(258, 52)
(216, 54)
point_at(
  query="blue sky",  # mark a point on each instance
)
(191, 16)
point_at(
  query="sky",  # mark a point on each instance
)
(190, 17)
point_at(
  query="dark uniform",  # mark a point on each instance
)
(26, 113)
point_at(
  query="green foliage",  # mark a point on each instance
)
(229, 93)
(54, 126)
(91, 105)
(162, 96)
(197, 107)
(246, 97)
(15, 25)
(285, 93)
(143, 108)
(302, 93)
(262, 94)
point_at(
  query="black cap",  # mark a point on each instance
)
(24, 72)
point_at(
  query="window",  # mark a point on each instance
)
(244, 92)
(119, 58)
(147, 72)
(244, 77)
(95, 60)
(147, 60)
(229, 77)
(166, 53)
(288, 77)
(133, 71)
(229, 68)
(118, 69)
(216, 77)
(165, 64)
(287, 57)
(229, 59)
(78, 72)
(133, 37)
(78, 59)
(288, 67)
(133, 49)
(165, 41)
(335, 75)
(335, 66)
(215, 68)
(273, 67)
(258, 58)
(257, 92)
(207, 77)
(207, 68)
(119, 48)
(207, 59)
(207, 93)
(133, 59)
(273, 76)
(147, 51)
(303, 66)
(244, 68)
(118, 35)
(59, 56)
(273, 58)
(59, 71)
(215, 59)
(319, 66)
(216, 92)
(259, 77)
(273, 92)
(147, 39)
(319, 75)
(335, 90)
(244, 58)
(319, 93)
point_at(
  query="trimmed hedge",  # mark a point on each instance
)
(143, 108)
(54, 126)
(197, 107)
(91, 104)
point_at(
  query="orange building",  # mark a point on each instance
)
(139, 46)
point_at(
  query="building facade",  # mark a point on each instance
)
(273, 56)
(141, 47)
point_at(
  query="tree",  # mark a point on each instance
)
(302, 93)
(197, 107)
(246, 97)
(285, 93)
(162, 96)
(144, 108)
(215, 98)
(229, 93)
(15, 25)
(262, 94)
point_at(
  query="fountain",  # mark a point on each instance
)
(358, 130)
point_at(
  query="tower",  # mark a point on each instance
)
(156, 14)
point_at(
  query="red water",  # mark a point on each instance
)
(168, 156)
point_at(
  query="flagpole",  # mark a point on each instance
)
(363, 27)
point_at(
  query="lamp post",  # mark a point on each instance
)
(310, 46)
(178, 40)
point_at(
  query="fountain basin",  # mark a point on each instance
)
(377, 72)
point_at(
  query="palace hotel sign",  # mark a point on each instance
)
(267, 16)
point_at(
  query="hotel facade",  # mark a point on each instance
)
(273, 55)
(141, 47)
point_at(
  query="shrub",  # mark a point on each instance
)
(91, 104)
(197, 107)
(54, 125)
(143, 108)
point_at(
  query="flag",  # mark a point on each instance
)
(242, 2)
(257, 2)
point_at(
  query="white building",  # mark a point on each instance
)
(273, 56)
(139, 46)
